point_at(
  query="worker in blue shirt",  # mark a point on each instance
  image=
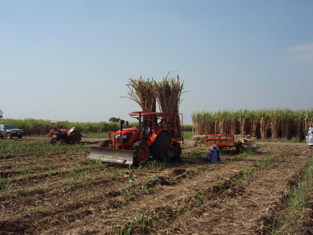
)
(214, 155)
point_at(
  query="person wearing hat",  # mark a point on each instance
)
(214, 155)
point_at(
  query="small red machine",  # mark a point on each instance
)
(64, 135)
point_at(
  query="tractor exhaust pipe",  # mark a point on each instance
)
(121, 123)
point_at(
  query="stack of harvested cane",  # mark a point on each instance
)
(167, 93)
(143, 93)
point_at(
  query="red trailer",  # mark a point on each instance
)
(222, 140)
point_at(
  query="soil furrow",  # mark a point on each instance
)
(247, 213)
(240, 195)
(166, 197)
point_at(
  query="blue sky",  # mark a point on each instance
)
(71, 60)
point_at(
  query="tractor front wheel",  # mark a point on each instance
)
(141, 152)
(161, 146)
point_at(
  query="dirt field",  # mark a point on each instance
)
(54, 189)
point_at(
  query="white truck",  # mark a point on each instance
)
(309, 137)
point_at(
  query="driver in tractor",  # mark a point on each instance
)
(160, 125)
(146, 129)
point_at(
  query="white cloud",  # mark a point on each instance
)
(302, 52)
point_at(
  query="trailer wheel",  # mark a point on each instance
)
(141, 152)
(239, 148)
(161, 146)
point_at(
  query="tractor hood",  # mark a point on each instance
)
(127, 130)
(125, 135)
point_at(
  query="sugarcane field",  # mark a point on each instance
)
(54, 189)
(153, 174)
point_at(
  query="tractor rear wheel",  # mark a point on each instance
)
(161, 146)
(141, 152)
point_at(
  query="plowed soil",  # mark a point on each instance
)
(56, 190)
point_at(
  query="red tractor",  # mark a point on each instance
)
(64, 135)
(158, 134)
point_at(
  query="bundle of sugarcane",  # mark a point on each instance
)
(168, 93)
(142, 92)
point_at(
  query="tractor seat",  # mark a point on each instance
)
(146, 131)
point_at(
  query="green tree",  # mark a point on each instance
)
(114, 119)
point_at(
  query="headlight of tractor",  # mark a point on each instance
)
(123, 136)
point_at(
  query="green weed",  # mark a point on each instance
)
(73, 181)
(66, 207)
(6, 187)
(115, 173)
(199, 197)
(37, 212)
(161, 209)
(156, 165)
(129, 191)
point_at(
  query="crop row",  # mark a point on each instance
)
(265, 123)
(41, 127)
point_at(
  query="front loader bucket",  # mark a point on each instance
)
(120, 156)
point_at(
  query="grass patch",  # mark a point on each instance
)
(95, 134)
